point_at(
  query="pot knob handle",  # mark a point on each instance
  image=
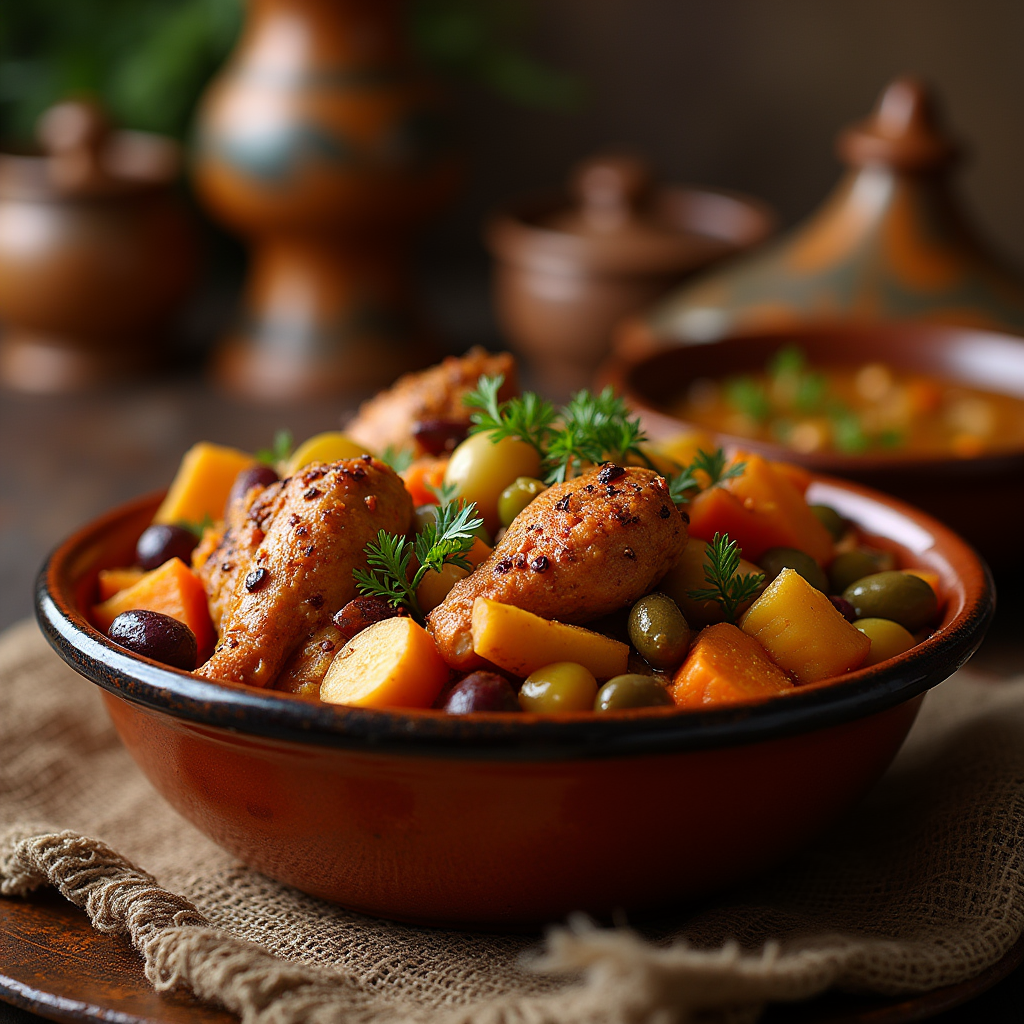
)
(74, 134)
(610, 190)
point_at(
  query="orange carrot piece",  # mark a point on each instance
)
(172, 588)
(765, 511)
(799, 477)
(422, 475)
(725, 666)
(202, 484)
(111, 581)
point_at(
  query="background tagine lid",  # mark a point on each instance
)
(889, 244)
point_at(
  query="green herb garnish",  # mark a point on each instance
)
(445, 494)
(589, 429)
(399, 459)
(444, 541)
(279, 451)
(198, 527)
(724, 586)
(712, 465)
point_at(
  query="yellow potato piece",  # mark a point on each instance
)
(202, 484)
(434, 586)
(803, 631)
(329, 446)
(391, 664)
(521, 642)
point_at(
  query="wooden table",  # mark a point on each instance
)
(65, 460)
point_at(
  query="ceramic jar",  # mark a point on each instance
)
(95, 251)
(323, 144)
(569, 265)
(890, 244)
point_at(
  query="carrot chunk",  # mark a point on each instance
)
(423, 477)
(110, 581)
(173, 589)
(725, 666)
(202, 484)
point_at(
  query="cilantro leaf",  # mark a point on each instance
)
(399, 459)
(279, 450)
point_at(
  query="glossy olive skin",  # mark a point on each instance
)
(844, 608)
(888, 639)
(899, 596)
(659, 632)
(830, 519)
(560, 687)
(632, 691)
(851, 566)
(260, 475)
(774, 560)
(160, 541)
(481, 691)
(424, 514)
(517, 496)
(155, 635)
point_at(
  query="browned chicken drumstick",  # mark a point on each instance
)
(578, 551)
(315, 526)
(424, 411)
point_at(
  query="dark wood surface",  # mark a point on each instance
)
(63, 461)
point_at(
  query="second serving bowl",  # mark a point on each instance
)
(513, 819)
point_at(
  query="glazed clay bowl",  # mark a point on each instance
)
(981, 498)
(505, 820)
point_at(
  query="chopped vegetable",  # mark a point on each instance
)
(803, 631)
(725, 666)
(329, 446)
(521, 642)
(202, 484)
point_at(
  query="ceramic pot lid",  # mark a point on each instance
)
(612, 220)
(84, 158)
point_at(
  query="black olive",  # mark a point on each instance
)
(155, 635)
(160, 542)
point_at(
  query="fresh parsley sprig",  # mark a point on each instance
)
(445, 541)
(279, 451)
(590, 429)
(714, 469)
(399, 459)
(724, 585)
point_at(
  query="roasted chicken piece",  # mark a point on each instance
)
(227, 549)
(315, 525)
(423, 411)
(579, 550)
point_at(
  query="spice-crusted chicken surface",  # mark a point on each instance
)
(226, 550)
(315, 526)
(580, 550)
(423, 411)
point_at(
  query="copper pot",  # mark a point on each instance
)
(95, 251)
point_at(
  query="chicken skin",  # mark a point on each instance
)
(315, 526)
(578, 551)
(423, 411)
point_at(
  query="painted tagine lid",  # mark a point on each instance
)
(889, 244)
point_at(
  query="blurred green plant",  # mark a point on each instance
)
(149, 60)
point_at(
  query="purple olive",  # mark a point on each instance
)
(260, 475)
(481, 691)
(160, 542)
(155, 635)
(437, 436)
(844, 607)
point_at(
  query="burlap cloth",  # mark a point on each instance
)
(919, 887)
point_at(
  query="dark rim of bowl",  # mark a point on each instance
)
(283, 717)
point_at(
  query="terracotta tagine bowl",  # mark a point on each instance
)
(504, 820)
(570, 264)
(324, 145)
(981, 497)
(96, 249)
(891, 243)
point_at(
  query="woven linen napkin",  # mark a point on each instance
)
(921, 886)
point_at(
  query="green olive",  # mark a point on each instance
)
(424, 514)
(632, 691)
(887, 638)
(774, 560)
(830, 519)
(517, 496)
(851, 566)
(658, 631)
(898, 596)
(557, 688)
(480, 470)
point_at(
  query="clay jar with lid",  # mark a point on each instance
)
(96, 249)
(570, 264)
(891, 243)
